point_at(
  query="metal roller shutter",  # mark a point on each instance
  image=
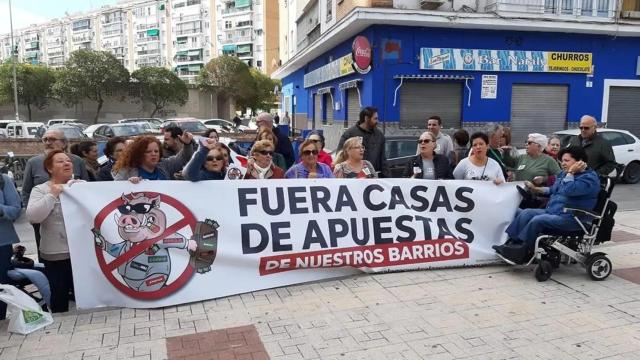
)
(353, 107)
(419, 100)
(317, 110)
(537, 109)
(623, 109)
(328, 109)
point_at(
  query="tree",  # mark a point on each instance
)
(92, 75)
(228, 76)
(263, 97)
(160, 87)
(35, 84)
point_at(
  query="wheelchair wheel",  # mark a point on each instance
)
(543, 270)
(598, 266)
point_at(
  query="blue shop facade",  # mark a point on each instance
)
(532, 81)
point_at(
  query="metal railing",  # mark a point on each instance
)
(591, 8)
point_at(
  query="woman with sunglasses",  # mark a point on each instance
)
(427, 164)
(309, 167)
(278, 159)
(351, 163)
(141, 160)
(323, 156)
(260, 165)
(44, 209)
(478, 166)
(208, 163)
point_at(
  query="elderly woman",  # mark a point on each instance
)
(350, 162)
(88, 151)
(553, 147)
(141, 160)
(278, 159)
(208, 163)
(533, 166)
(309, 167)
(478, 166)
(44, 209)
(112, 150)
(323, 156)
(576, 186)
(427, 164)
(261, 166)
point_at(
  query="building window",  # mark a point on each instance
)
(329, 10)
(228, 24)
(259, 63)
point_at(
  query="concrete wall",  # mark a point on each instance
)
(199, 105)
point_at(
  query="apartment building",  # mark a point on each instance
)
(248, 29)
(535, 65)
(178, 34)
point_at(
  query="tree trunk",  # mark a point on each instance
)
(155, 110)
(29, 110)
(95, 121)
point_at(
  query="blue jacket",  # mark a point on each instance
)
(10, 207)
(578, 191)
(195, 171)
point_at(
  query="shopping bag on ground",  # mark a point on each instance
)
(25, 315)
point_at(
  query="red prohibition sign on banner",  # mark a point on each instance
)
(108, 268)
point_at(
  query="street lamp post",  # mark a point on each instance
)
(13, 61)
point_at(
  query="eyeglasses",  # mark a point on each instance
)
(585, 127)
(137, 208)
(50, 139)
(266, 152)
(310, 152)
(217, 158)
(424, 141)
(531, 142)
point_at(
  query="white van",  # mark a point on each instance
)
(61, 121)
(3, 127)
(24, 130)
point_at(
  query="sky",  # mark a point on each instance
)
(27, 12)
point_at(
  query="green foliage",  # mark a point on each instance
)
(264, 97)
(160, 87)
(92, 75)
(227, 76)
(35, 84)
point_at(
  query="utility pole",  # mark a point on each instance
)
(13, 61)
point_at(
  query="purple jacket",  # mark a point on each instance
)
(298, 171)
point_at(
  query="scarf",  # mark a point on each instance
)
(261, 173)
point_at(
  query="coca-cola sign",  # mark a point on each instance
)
(361, 53)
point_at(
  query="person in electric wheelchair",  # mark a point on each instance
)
(576, 187)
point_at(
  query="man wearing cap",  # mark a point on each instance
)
(534, 166)
(265, 120)
(600, 155)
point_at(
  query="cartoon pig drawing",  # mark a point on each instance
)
(140, 218)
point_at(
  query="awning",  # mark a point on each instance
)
(242, 3)
(195, 52)
(153, 32)
(228, 47)
(349, 84)
(434, 77)
(181, 40)
(464, 78)
(194, 67)
(181, 53)
(243, 49)
(324, 90)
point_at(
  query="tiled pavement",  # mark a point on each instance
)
(494, 312)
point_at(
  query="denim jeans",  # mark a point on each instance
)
(529, 224)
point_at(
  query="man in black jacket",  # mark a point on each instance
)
(600, 155)
(265, 120)
(372, 139)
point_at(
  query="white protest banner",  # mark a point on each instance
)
(161, 243)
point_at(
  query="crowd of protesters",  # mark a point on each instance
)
(569, 175)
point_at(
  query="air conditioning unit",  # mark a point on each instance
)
(430, 4)
(631, 14)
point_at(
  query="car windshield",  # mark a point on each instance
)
(192, 126)
(33, 130)
(70, 132)
(128, 130)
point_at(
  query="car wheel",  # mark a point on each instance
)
(631, 173)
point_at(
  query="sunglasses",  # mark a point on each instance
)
(218, 158)
(266, 152)
(310, 152)
(585, 127)
(50, 139)
(424, 141)
(137, 208)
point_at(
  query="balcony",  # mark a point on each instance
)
(188, 31)
(147, 39)
(554, 8)
(114, 20)
(147, 26)
(238, 39)
(191, 56)
(236, 11)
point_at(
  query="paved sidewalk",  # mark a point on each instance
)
(494, 312)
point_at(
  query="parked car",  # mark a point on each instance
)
(222, 125)
(155, 123)
(191, 125)
(70, 131)
(626, 148)
(3, 126)
(107, 131)
(398, 150)
(24, 130)
(61, 121)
